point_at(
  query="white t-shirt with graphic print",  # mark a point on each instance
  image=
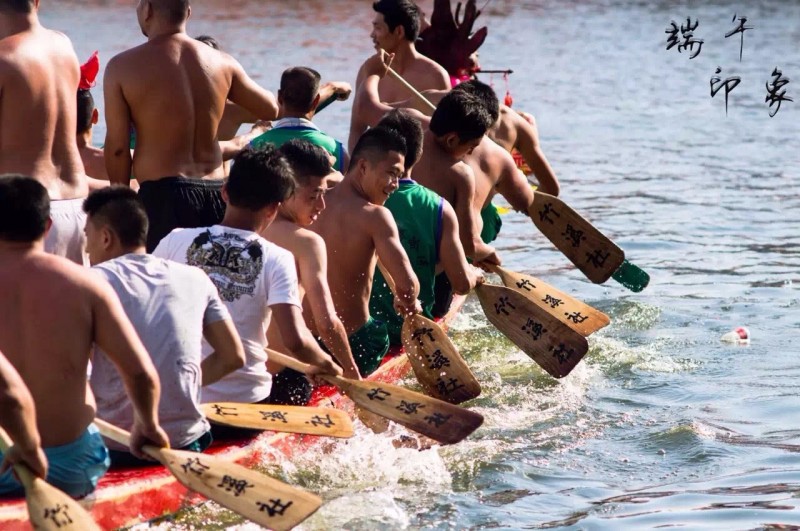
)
(251, 274)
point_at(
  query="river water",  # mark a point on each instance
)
(661, 425)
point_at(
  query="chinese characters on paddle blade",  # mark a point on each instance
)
(776, 93)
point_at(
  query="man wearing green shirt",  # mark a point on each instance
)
(298, 98)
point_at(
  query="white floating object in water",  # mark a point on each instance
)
(740, 336)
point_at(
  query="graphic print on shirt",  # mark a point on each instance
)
(232, 262)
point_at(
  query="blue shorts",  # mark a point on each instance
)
(75, 467)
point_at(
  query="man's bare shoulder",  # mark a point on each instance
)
(307, 244)
(428, 65)
(53, 271)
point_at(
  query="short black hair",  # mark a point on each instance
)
(20, 6)
(410, 128)
(120, 208)
(308, 161)
(260, 176)
(463, 114)
(299, 87)
(376, 143)
(484, 93)
(24, 208)
(400, 13)
(209, 40)
(85, 110)
(176, 11)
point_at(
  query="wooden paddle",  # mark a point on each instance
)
(293, 419)
(436, 362)
(572, 312)
(429, 416)
(583, 244)
(260, 498)
(49, 509)
(556, 347)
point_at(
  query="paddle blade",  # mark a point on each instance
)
(572, 312)
(443, 422)
(631, 276)
(590, 250)
(50, 509)
(436, 362)
(293, 419)
(258, 497)
(552, 344)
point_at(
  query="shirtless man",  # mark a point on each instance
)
(172, 307)
(428, 231)
(312, 168)
(256, 279)
(395, 28)
(173, 89)
(35, 60)
(54, 312)
(18, 419)
(368, 234)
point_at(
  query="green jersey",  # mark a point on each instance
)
(418, 214)
(289, 128)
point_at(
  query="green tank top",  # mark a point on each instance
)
(280, 135)
(418, 214)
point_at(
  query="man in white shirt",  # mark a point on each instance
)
(172, 307)
(255, 278)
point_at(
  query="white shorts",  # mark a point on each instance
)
(66, 237)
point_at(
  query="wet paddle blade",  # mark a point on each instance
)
(49, 509)
(436, 362)
(429, 416)
(572, 312)
(327, 422)
(550, 343)
(434, 418)
(256, 496)
(631, 276)
(590, 250)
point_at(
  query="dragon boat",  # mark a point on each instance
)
(125, 497)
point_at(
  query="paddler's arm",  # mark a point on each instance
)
(116, 152)
(298, 339)
(367, 106)
(528, 145)
(512, 183)
(341, 89)
(463, 179)
(249, 95)
(314, 274)
(228, 353)
(391, 254)
(231, 148)
(18, 419)
(432, 95)
(461, 275)
(115, 335)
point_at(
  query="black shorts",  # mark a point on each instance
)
(442, 294)
(180, 202)
(289, 388)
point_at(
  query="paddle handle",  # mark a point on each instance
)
(325, 103)
(414, 91)
(25, 475)
(123, 437)
(299, 366)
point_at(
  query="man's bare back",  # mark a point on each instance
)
(351, 252)
(173, 90)
(52, 310)
(39, 76)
